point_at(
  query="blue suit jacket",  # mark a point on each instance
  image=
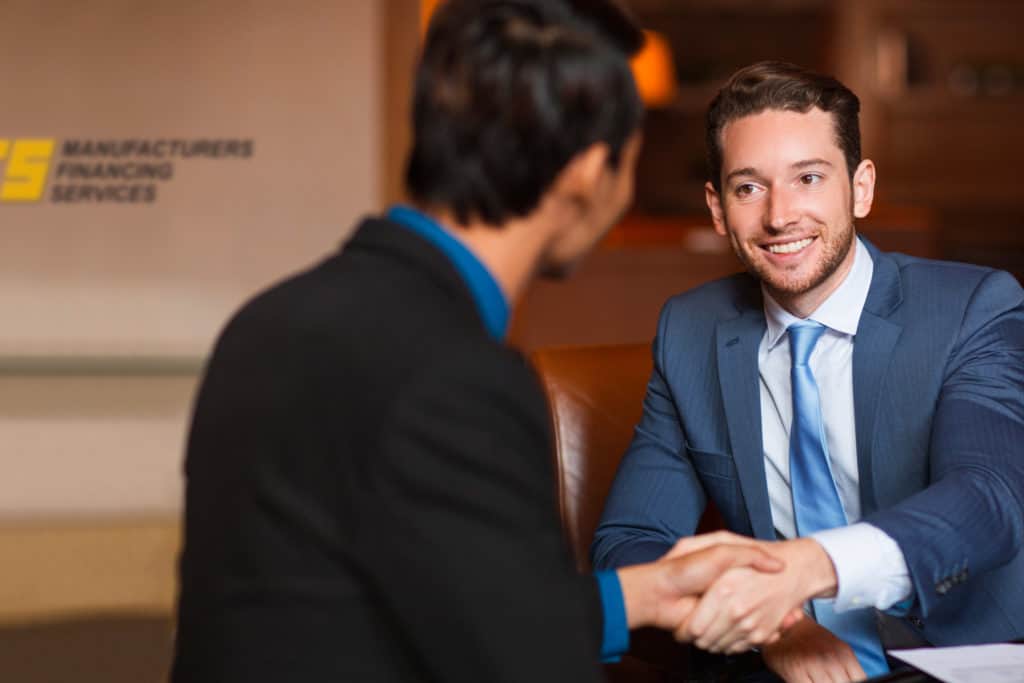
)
(938, 377)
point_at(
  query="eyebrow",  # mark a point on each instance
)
(811, 162)
(750, 171)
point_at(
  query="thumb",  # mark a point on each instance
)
(761, 560)
(694, 572)
(747, 556)
(692, 544)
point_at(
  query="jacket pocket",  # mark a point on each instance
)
(712, 464)
(718, 476)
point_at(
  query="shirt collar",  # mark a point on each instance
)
(489, 299)
(839, 312)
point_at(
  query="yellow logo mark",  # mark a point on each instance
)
(27, 169)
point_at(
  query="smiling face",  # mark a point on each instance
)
(787, 203)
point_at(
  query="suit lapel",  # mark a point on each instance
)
(872, 353)
(737, 341)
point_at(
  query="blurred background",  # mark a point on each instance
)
(291, 124)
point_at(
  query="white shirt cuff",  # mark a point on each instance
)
(870, 567)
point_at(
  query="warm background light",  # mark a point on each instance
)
(655, 72)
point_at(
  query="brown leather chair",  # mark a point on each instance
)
(596, 398)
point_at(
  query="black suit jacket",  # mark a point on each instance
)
(370, 494)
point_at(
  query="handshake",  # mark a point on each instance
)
(727, 593)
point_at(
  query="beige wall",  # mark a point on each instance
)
(299, 79)
(113, 282)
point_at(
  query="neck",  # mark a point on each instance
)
(805, 303)
(511, 252)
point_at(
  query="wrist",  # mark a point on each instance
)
(819, 574)
(637, 588)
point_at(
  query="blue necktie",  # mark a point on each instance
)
(816, 503)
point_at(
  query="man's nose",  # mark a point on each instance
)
(780, 210)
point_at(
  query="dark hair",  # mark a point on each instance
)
(782, 86)
(508, 92)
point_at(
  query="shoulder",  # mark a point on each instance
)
(958, 288)
(385, 297)
(709, 303)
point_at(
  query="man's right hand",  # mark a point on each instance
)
(665, 592)
(743, 607)
(810, 652)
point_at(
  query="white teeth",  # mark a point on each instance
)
(789, 247)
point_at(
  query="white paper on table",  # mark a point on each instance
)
(1000, 663)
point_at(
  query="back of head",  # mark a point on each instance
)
(787, 87)
(508, 92)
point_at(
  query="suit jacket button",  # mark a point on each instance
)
(917, 622)
(942, 587)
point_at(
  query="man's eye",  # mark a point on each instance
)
(744, 190)
(810, 178)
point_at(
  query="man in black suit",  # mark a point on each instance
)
(369, 485)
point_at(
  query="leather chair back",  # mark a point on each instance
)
(596, 398)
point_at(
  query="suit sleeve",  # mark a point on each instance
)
(970, 519)
(464, 546)
(656, 497)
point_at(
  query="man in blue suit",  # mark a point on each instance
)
(866, 406)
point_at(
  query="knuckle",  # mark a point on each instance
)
(740, 608)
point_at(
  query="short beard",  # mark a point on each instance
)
(827, 267)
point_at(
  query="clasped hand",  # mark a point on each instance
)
(746, 606)
(725, 592)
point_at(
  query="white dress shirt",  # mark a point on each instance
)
(871, 569)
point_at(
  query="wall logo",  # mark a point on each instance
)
(25, 164)
(128, 171)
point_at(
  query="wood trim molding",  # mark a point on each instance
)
(61, 568)
(400, 25)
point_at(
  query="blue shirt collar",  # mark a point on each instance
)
(490, 301)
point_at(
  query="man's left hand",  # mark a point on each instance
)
(810, 652)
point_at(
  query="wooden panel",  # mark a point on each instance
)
(61, 568)
(400, 43)
(614, 298)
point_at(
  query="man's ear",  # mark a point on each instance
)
(714, 201)
(863, 188)
(580, 180)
